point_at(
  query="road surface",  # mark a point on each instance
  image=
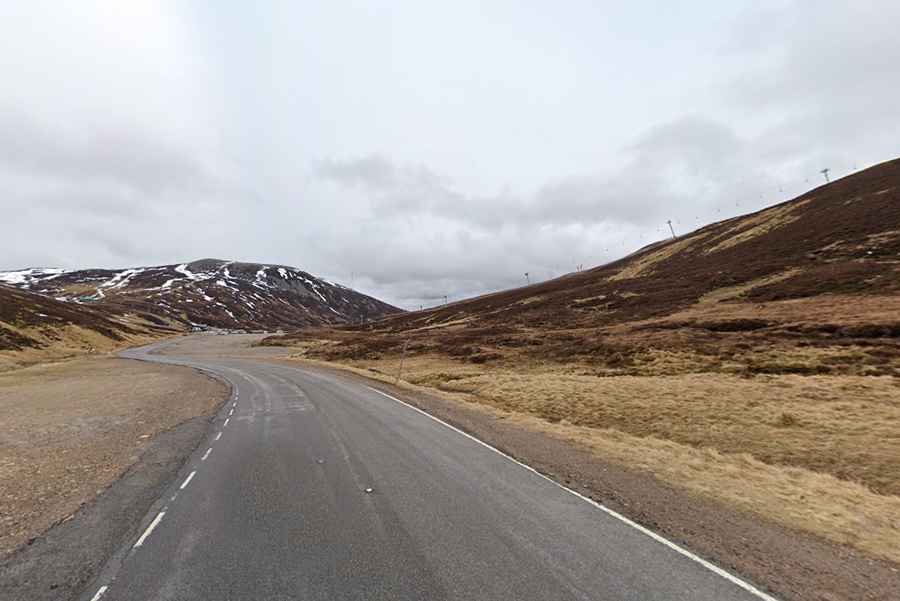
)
(314, 486)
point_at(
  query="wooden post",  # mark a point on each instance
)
(402, 357)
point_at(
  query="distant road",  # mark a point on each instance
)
(274, 506)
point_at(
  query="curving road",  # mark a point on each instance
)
(314, 486)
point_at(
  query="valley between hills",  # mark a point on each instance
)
(748, 372)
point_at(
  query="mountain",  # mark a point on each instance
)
(208, 292)
(819, 270)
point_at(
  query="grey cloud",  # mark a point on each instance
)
(398, 187)
(121, 155)
(367, 172)
(827, 80)
(433, 238)
(113, 243)
(694, 140)
(838, 54)
(667, 165)
(117, 194)
(166, 134)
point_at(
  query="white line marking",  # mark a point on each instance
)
(706, 564)
(230, 413)
(100, 592)
(149, 529)
(218, 436)
(226, 421)
(187, 480)
(206, 454)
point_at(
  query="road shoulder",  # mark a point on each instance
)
(59, 562)
(793, 565)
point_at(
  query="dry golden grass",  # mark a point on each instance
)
(768, 359)
(735, 292)
(444, 324)
(643, 264)
(64, 343)
(883, 237)
(813, 453)
(588, 299)
(80, 289)
(761, 223)
(841, 511)
(844, 310)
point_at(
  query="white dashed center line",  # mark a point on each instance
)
(226, 421)
(149, 529)
(218, 436)
(100, 592)
(206, 454)
(188, 480)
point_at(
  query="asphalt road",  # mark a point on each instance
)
(314, 486)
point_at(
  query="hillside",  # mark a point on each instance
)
(819, 270)
(208, 292)
(754, 361)
(34, 328)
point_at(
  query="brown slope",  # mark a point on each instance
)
(34, 327)
(826, 264)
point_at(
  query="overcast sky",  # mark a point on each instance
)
(416, 149)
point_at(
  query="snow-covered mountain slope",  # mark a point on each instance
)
(209, 292)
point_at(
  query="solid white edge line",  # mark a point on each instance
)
(100, 592)
(206, 454)
(658, 538)
(188, 480)
(149, 529)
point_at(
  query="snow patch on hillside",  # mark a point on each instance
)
(182, 269)
(122, 278)
(23, 277)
